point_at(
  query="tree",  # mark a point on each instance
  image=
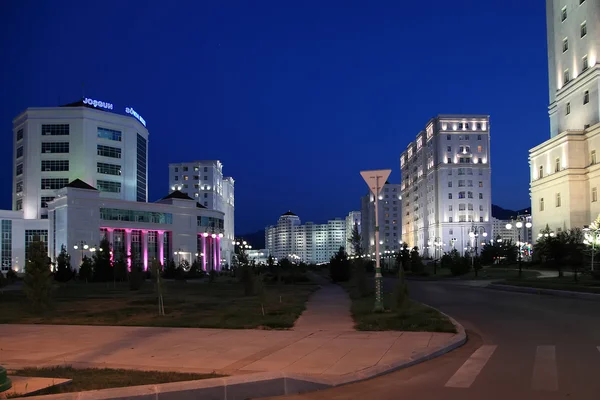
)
(136, 278)
(120, 269)
(38, 282)
(416, 263)
(170, 271)
(103, 271)
(86, 269)
(339, 266)
(156, 271)
(572, 243)
(356, 241)
(403, 257)
(64, 272)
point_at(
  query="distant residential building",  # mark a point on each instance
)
(390, 219)
(352, 219)
(204, 181)
(56, 145)
(564, 170)
(500, 231)
(309, 243)
(446, 184)
(259, 256)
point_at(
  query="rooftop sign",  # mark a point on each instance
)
(131, 111)
(98, 104)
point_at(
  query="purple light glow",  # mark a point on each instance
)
(204, 252)
(218, 259)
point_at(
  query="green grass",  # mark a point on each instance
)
(105, 378)
(585, 284)
(220, 304)
(415, 317)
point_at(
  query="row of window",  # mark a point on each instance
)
(586, 100)
(55, 165)
(463, 137)
(465, 149)
(110, 134)
(108, 186)
(55, 129)
(185, 169)
(45, 200)
(582, 33)
(108, 169)
(108, 151)
(54, 183)
(55, 147)
(461, 195)
(210, 222)
(461, 183)
(116, 214)
(464, 218)
(563, 11)
(186, 177)
(465, 160)
(465, 126)
(463, 207)
(558, 167)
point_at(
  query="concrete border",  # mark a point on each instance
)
(258, 385)
(550, 292)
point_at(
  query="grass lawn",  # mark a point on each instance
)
(220, 304)
(95, 379)
(416, 317)
(585, 283)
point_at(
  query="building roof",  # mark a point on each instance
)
(177, 195)
(289, 213)
(79, 184)
(199, 205)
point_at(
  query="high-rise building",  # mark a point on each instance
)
(204, 181)
(446, 185)
(390, 219)
(84, 140)
(565, 176)
(309, 243)
(352, 219)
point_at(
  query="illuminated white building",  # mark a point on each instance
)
(565, 176)
(85, 140)
(204, 181)
(309, 243)
(352, 219)
(446, 184)
(259, 256)
(16, 233)
(390, 219)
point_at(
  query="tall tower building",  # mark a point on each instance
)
(564, 174)
(84, 140)
(204, 181)
(446, 185)
(390, 219)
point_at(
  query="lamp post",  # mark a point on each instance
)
(474, 235)
(592, 234)
(178, 253)
(81, 245)
(519, 226)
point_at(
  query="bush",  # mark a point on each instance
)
(339, 267)
(3, 280)
(416, 263)
(11, 276)
(460, 266)
(38, 282)
(136, 278)
(64, 272)
(170, 270)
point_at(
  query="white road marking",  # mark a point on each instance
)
(545, 374)
(466, 374)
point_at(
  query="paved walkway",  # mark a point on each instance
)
(322, 343)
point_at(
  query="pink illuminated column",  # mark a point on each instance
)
(160, 237)
(214, 251)
(218, 247)
(145, 249)
(128, 247)
(204, 252)
(110, 235)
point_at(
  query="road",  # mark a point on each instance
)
(520, 346)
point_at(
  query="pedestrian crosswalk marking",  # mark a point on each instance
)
(545, 374)
(466, 374)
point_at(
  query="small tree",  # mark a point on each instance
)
(355, 241)
(38, 282)
(339, 266)
(403, 257)
(416, 263)
(156, 270)
(136, 278)
(86, 269)
(170, 271)
(120, 269)
(64, 272)
(103, 271)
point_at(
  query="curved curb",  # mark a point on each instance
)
(550, 292)
(258, 385)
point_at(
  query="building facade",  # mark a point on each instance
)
(310, 243)
(565, 176)
(500, 231)
(55, 145)
(390, 219)
(204, 181)
(446, 184)
(16, 233)
(175, 228)
(352, 219)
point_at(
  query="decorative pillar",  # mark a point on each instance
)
(214, 251)
(160, 237)
(110, 235)
(204, 252)
(145, 249)
(128, 247)
(218, 247)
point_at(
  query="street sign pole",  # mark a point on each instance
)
(376, 180)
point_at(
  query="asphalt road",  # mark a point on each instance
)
(520, 346)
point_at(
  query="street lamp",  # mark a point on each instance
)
(82, 246)
(474, 235)
(592, 236)
(519, 226)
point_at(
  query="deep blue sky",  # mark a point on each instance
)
(295, 98)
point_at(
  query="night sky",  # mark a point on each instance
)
(294, 97)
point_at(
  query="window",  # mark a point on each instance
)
(109, 134)
(566, 76)
(481, 207)
(449, 149)
(107, 151)
(479, 149)
(450, 172)
(45, 201)
(449, 196)
(108, 186)
(470, 206)
(19, 204)
(450, 184)
(593, 157)
(583, 28)
(466, 137)
(450, 208)
(461, 149)
(557, 165)
(541, 204)
(480, 160)
(594, 195)
(55, 165)
(449, 160)
(461, 207)
(19, 169)
(19, 134)
(480, 219)
(449, 219)
(478, 125)
(470, 195)
(176, 169)
(480, 184)
(461, 183)
(55, 129)
(205, 169)
(176, 177)
(584, 63)
(461, 195)
(55, 147)
(470, 183)
(563, 14)
(185, 177)
(33, 234)
(109, 169)
(480, 196)
(19, 186)
(448, 137)
(462, 218)
(568, 108)
(586, 97)
(54, 183)
(460, 125)
(205, 177)
(541, 172)
(116, 214)
(557, 199)
(565, 44)
(141, 169)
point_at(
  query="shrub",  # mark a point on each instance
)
(136, 278)
(64, 272)
(3, 280)
(339, 266)
(460, 266)
(11, 275)
(38, 282)
(416, 263)
(170, 270)
(85, 269)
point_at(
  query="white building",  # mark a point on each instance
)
(259, 256)
(309, 243)
(564, 172)
(352, 219)
(500, 231)
(390, 219)
(16, 233)
(175, 227)
(204, 181)
(446, 184)
(55, 145)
